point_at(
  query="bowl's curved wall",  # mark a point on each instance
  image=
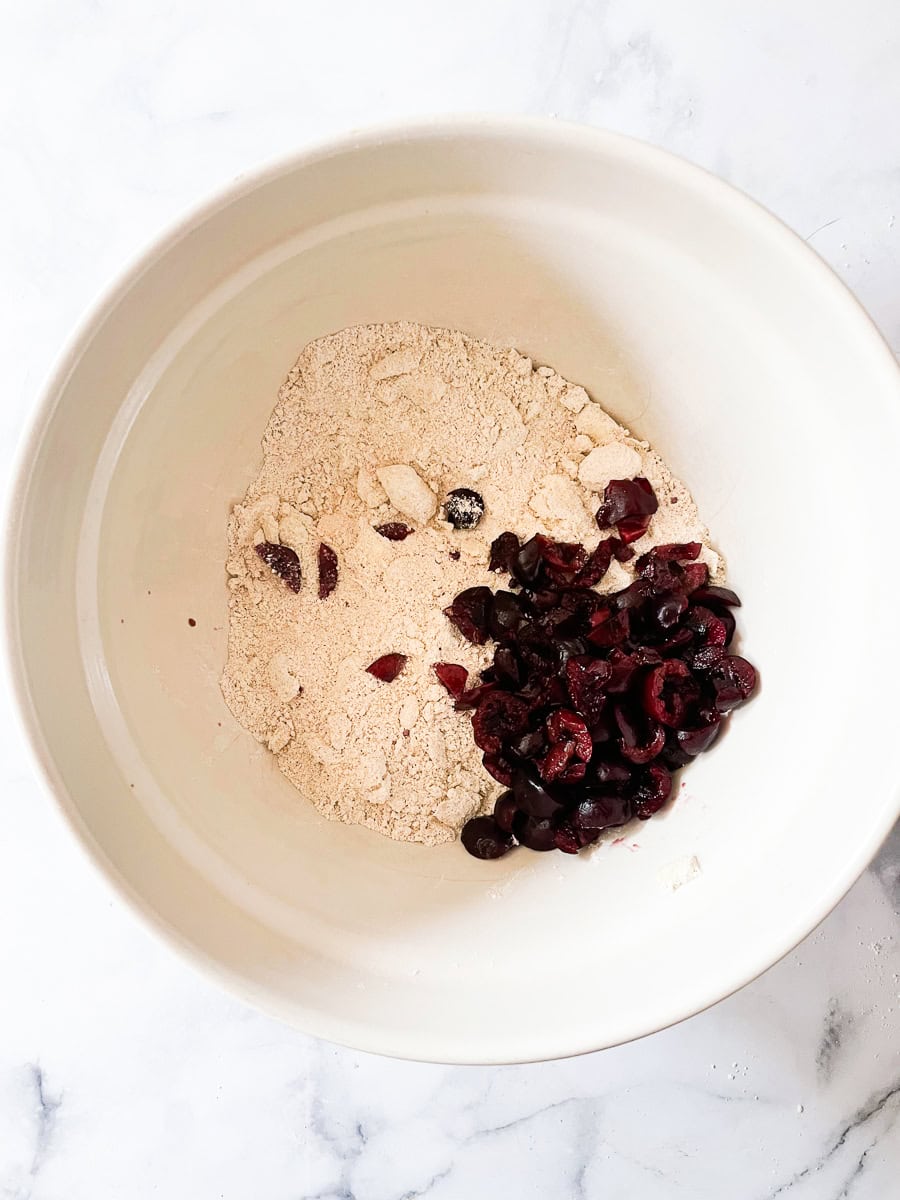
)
(701, 323)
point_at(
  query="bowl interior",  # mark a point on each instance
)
(700, 323)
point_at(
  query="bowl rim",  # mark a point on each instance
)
(543, 1045)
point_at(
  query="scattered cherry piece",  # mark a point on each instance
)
(528, 562)
(625, 500)
(694, 576)
(653, 788)
(388, 667)
(670, 552)
(705, 658)
(556, 761)
(394, 531)
(694, 741)
(599, 560)
(506, 615)
(586, 681)
(470, 612)
(505, 808)
(328, 570)
(463, 508)
(503, 553)
(611, 629)
(565, 725)
(534, 832)
(718, 595)
(530, 745)
(726, 616)
(566, 839)
(499, 717)
(564, 560)
(282, 561)
(734, 680)
(453, 677)
(473, 696)
(641, 741)
(574, 773)
(507, 668)
(633, 528)
(533, 798)
(666, 696)
(669, 608)
(601, 812)
(499, 768)
(483, 838)
(711, 629)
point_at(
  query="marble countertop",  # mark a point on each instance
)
(124, 1074)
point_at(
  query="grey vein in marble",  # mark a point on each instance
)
(876, 1105)
(837, 1025)
(45, 1107)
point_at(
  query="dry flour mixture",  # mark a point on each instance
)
(374, 426)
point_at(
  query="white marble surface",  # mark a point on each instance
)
(123, 1074)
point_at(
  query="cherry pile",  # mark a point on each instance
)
(593, 701)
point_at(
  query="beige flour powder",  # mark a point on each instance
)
(376, 424)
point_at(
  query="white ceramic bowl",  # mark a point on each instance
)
(703, 324)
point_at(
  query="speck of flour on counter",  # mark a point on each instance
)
(377, 424)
